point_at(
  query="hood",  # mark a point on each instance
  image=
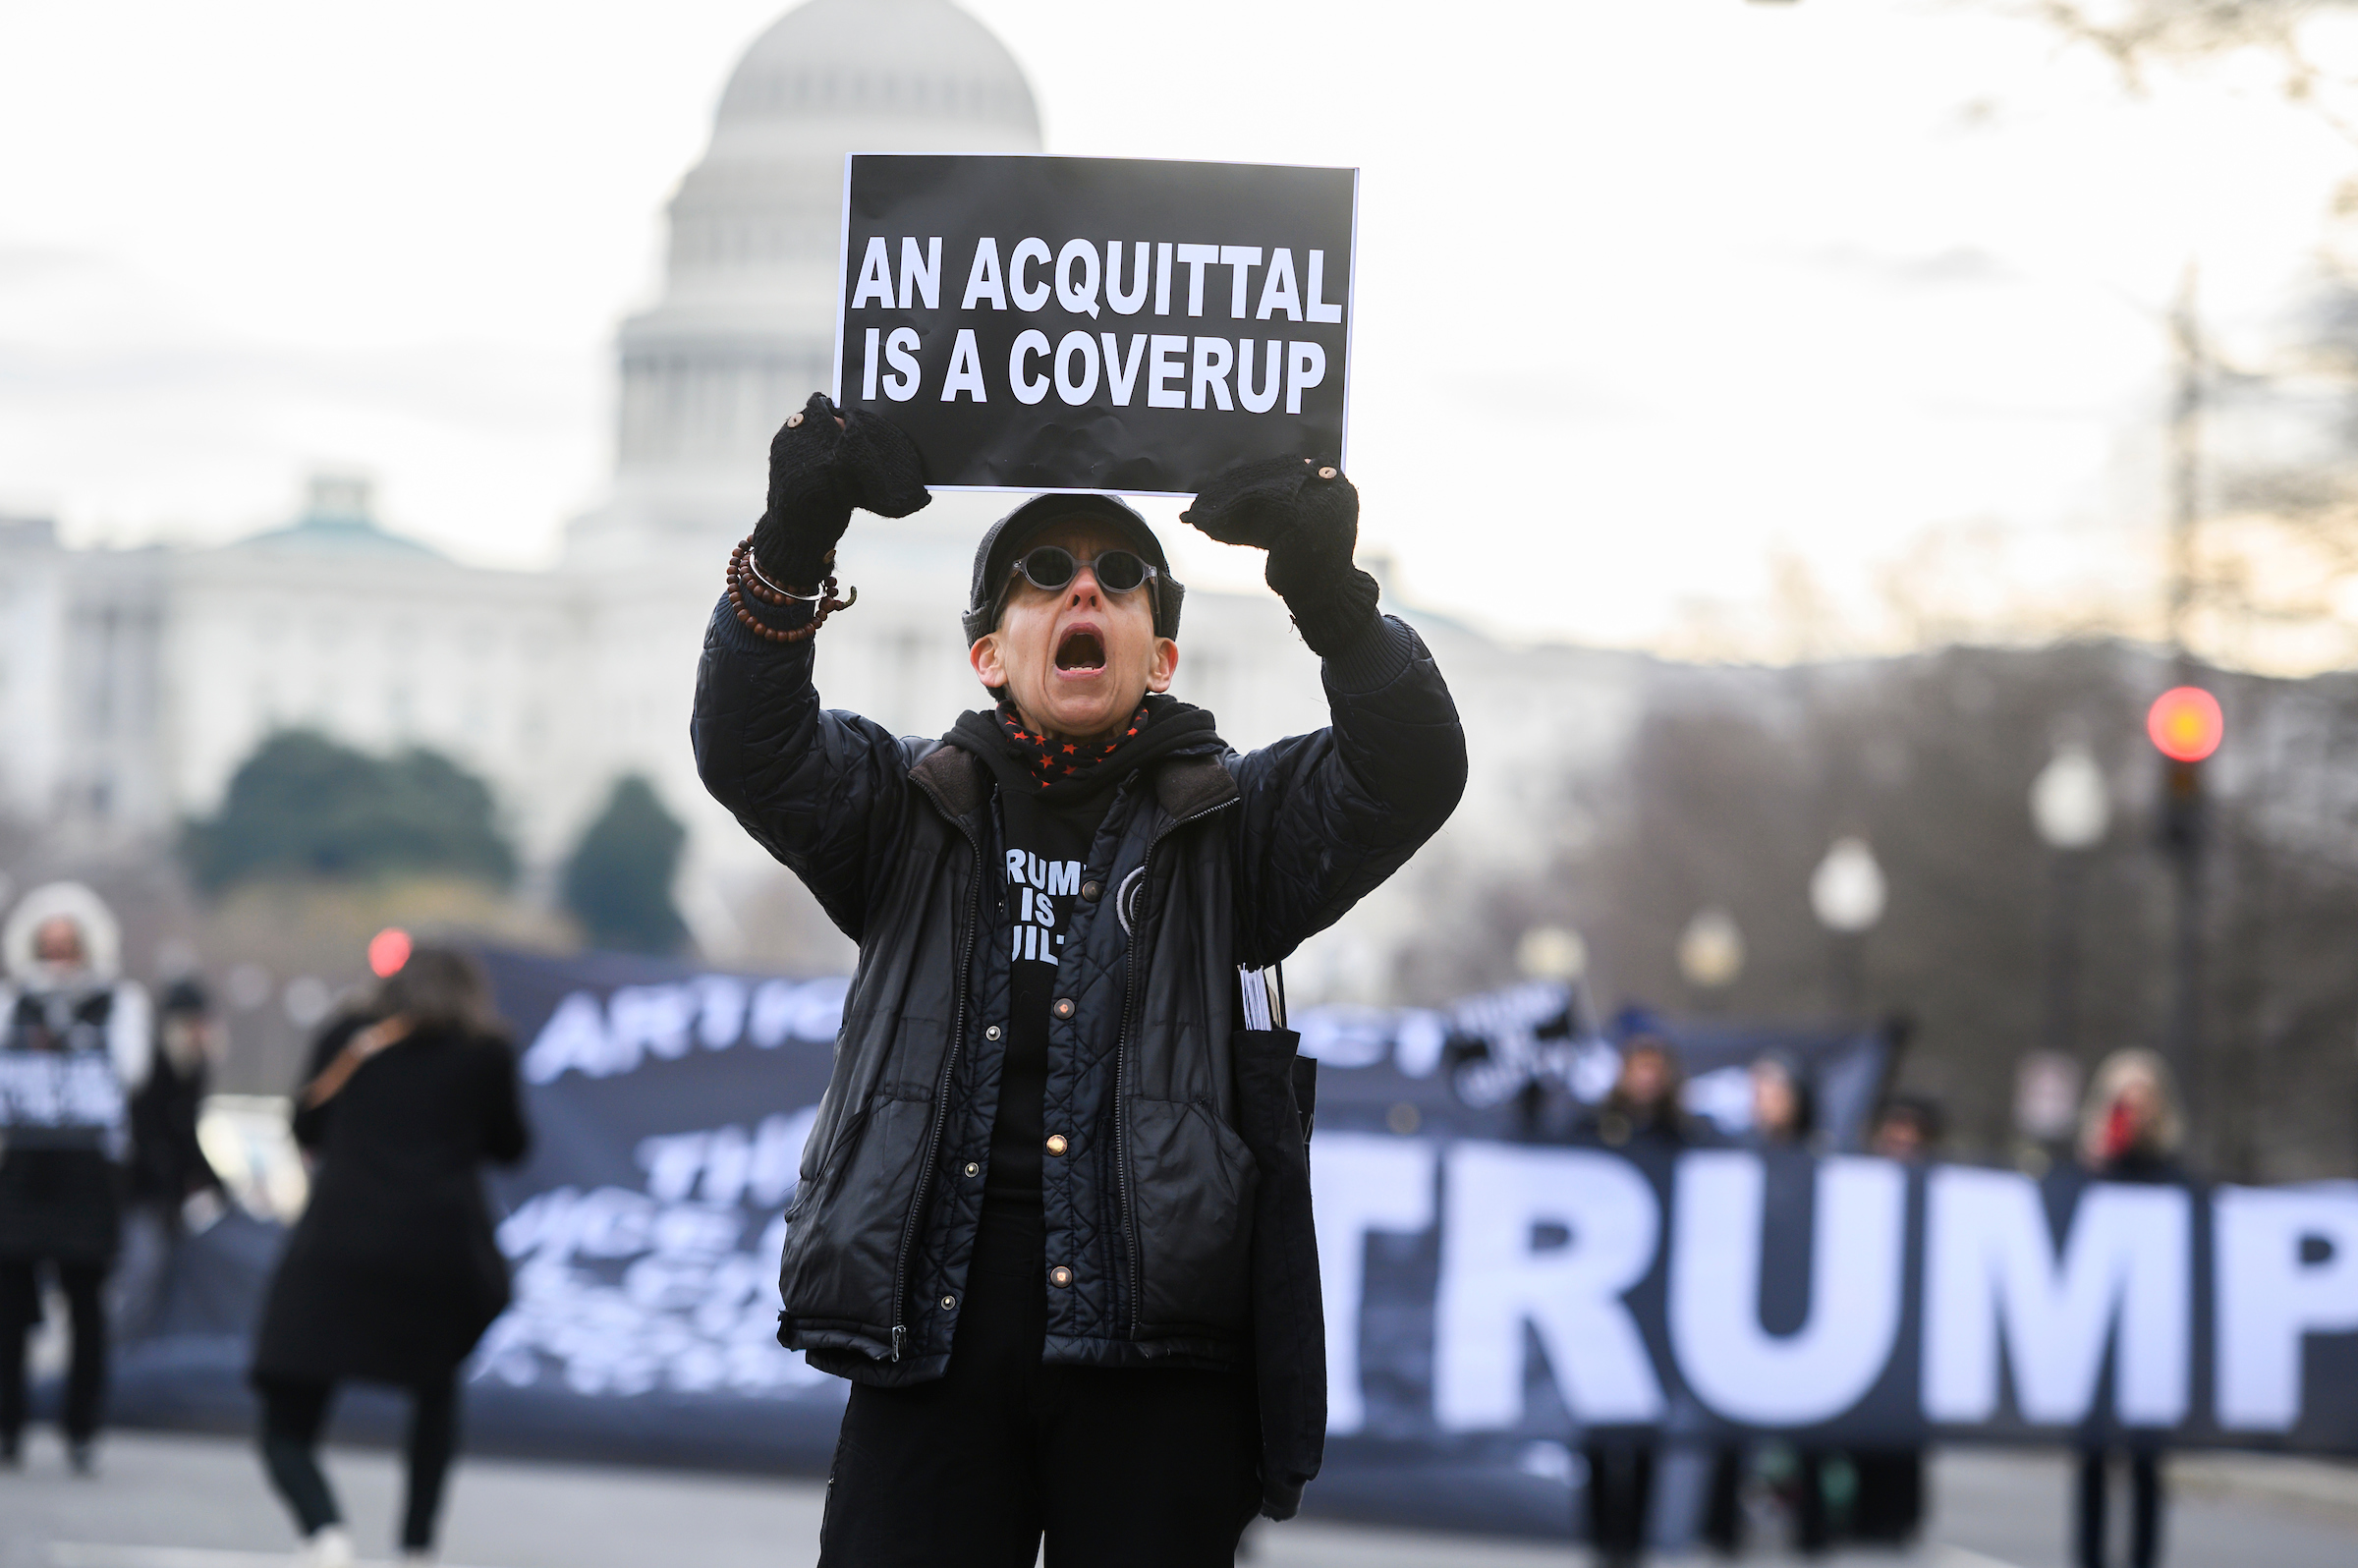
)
(102, 936)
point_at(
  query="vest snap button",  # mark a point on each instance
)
(1064, 1007)
(992, 1032)
(1090, 891)
(973, 1169)
(1057, 1143)
(1061, 1274)
(949, 1304)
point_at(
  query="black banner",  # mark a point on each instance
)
(1043, 323)
(1496, 1281)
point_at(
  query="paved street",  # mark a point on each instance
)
(198, 1502)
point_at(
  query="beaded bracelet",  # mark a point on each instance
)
(745, 578)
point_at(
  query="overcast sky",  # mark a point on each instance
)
(1653, 294)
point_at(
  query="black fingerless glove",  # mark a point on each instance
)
(818, 472)
(1307, 517)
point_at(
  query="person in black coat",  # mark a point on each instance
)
(393, 1272)
(74, 1042)
(1893, 1485)
(1026, 1221)
(1784, 1115)
(174, 1190)
(168, 1167)
(2130, 1130)
(1641, 1115)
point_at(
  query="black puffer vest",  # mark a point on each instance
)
(1148, 1208)
(1205, 860)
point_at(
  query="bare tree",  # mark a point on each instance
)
(1738, 778)
(2137, 35)
(2264, 547)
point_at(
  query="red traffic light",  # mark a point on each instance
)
(2185, 724)
(388, 950)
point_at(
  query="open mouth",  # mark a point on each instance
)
(1080, 649)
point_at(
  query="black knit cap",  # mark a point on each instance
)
(994, 557)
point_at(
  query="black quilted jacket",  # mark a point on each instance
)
(1203, 862)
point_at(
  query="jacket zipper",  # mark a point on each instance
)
(941, 1095)
(1121, 1063)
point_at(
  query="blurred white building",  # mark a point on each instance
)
(134, 683)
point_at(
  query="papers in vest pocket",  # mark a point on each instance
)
(1265, 1007)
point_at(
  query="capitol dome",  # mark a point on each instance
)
(746, 327)
(921, 63)
(830, 77)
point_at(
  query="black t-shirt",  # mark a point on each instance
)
(1047, 851)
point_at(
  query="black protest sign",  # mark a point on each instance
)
(1097, 323)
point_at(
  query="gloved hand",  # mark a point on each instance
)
(821, 464)
(1307, 517)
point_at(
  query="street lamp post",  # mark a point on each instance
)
(1710, 953)
(1847, 894)
(1552, 953)
(2071, 812)
(2186, 726)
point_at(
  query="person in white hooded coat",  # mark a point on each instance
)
(75, 1043)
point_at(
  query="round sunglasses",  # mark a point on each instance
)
(1053, 568)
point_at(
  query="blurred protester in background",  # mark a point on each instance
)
(392, 1273)
(1784, 1117)
(2130, 1130)
(174, 1190)
(1784, 1113)
(2047, 1110)
(1642, 1114)
(1909, 1128)
(1643, 1110)
(168, 1167)
(1890, 1500)
(75, 1043)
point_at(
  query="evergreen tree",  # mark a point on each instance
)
(618, 882)
(304, 806)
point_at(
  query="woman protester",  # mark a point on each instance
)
(74, 1043)
(1031, 1229)
(393, 1272)
(2130, 1131)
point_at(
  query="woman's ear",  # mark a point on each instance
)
(984, 656)
(1166, 665)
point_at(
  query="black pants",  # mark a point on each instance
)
(1620, 1495)
(2145, 1507)
(294, 1413)
(1723, 1503)
(86, 1374)
(1890, 1510)
(1119, 1466)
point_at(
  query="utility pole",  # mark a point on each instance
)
(2184, 825)
(2186, 454)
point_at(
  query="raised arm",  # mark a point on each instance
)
(814, 788)
(1327, 816)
